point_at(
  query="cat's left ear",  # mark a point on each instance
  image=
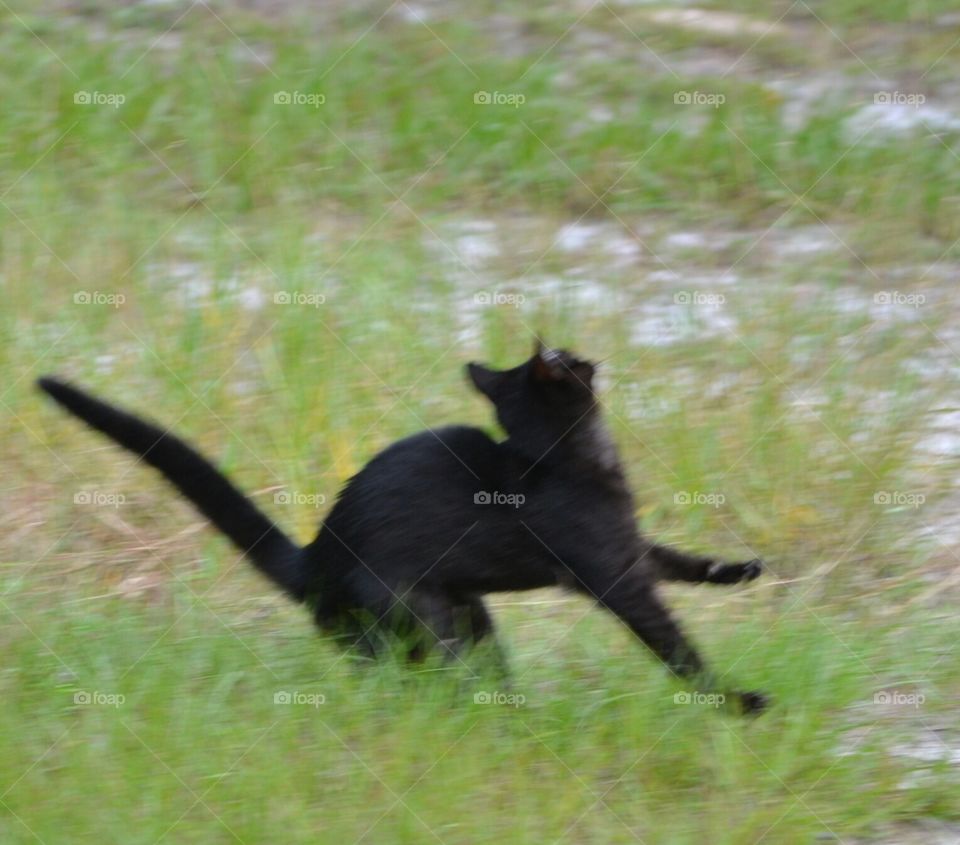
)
(550, 366)
(545, 366)
(484, 379)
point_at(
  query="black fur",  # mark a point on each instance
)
(440, 518)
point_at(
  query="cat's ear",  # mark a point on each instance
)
(538, 347)
(545, 366)
(484, 379)
(549, 366)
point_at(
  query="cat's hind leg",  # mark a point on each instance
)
(480, 632)
(419, 621)
(451, 625)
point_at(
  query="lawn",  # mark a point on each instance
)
(283, 231)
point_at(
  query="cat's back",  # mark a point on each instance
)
(446, 452)
(433, 465)
(417, 492)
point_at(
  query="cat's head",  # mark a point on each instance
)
(553, 386)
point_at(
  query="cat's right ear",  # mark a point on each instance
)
(485, 380)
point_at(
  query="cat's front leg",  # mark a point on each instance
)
(632, 597)
(673, 565)
(734, 573)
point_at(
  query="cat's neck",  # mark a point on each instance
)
(594, 442)
(584, 445)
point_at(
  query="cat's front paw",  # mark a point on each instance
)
(753, 703)
(734, 573)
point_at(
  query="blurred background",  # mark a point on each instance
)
(281, 228)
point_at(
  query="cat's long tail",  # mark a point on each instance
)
(271, 551)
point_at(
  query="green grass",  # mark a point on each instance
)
(199, 721)
(800, 398)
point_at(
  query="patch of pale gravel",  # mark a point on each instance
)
(475, 242)
(917, 832)
(881, 120)
(667, 298)
(931, 745)
(191, 285)
(707, 22)
(609, 239)
(666, 322)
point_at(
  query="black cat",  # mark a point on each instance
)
(440, 518)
